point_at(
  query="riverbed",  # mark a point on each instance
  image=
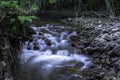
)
(79, 49)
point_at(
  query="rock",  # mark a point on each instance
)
(111, 44)
(107, 47)
(117, 66)
(73, 77)
(36, 45)
(48, 42)
(96, 61)
(89, 50)
(105, 31)
(73, 44)
(100, 25)
(106, 78)
(86, 43)
(66, 77)
(31, 31)
(118, 41)
(115, 29)
(106, 36)
(79, 65)
(116, 50)
(100, 40)
(98, 49)
(80, 47)
(74, 38)
(117, 25)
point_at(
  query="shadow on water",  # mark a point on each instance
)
(52, 21)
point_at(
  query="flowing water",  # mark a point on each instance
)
(48, 51)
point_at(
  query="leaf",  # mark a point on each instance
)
(14, 29)
(52, 1)
(5, 3)
(34, 7)
(9, 4)
(33, 17)
(29, 20)
(21, 19)
(12, 20)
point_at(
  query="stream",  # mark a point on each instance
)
(49, 53)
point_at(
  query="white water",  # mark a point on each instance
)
(47, 57)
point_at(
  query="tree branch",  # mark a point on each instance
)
(3, 16)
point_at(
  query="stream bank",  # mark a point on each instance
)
(99, 40)
(103, 46)
(10, 46)
(96, 38)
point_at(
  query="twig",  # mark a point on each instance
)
(4, 14)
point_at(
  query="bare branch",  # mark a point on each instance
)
(3, 16)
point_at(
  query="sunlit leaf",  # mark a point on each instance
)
(21, 19)
(34, 7)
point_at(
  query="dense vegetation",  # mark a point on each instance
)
(14, 26)
(111, 7)
(17, 15)
(14, 17)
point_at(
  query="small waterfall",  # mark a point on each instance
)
(50, 48)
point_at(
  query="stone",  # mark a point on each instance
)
(117, 25)
(36, 47)
(48, 42)
(116, 50)
(115, 36)
(105, 30)
(107, 47)
(115, 29)
(88, 50)
(79, 65)
(106, 36)
(106, 78)
(100, 40)
(74, 38)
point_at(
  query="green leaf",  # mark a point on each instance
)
(33, 17)
(29, 20)
(12, 20)
(14, 29)
(9, 4)
(34, 7)
(52, 1)
(21, 19)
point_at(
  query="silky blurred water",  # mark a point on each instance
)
(40, 59)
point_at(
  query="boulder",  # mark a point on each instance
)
(116, 50)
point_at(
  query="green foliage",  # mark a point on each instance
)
(23, 19)
(52, 1)
(16, 17)
(34, 7)
(30, 4)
